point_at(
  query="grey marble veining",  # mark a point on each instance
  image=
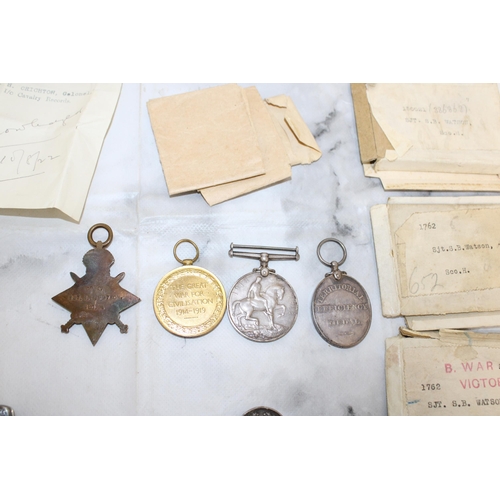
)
(149, 371)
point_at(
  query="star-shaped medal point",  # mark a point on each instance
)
(96, 299)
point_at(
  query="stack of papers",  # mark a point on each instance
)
(226, 141)
(438, 261)
(442, 137)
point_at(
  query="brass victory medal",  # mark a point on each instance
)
(189, 301)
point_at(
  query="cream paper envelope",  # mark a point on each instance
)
(438, 256)
(205, 138)
(433, 181)
(457, 321)
(446, 373)
(429, 127)
(373, 143)
(301, 146)
(50, 139)
(274, 155)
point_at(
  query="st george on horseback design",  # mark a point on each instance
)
(263, 307)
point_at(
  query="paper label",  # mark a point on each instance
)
(437, 116)
(439, 380)
(449, 252)
(446, 260)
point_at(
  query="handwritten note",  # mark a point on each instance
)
(50, 139)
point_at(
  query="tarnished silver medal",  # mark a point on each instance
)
(262, 306)
(262, 411)
(6, 411)
(341, 308)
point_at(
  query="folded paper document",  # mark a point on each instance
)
(50, 139)
(439, 260)
(226, 141)
(205, 138)
(443, 373)
(284, 141)
(451, 131)
(274, 156)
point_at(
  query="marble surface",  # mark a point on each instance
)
(149, 371)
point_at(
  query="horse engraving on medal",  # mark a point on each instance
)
(263, 307)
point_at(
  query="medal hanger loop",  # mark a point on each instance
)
(186, 262)
(263, 255)
(336, 273)
(100, 244)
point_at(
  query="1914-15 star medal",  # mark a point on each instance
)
(96, 299)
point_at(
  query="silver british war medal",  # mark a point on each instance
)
(341, 308)
(262, 306)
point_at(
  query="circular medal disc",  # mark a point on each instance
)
(262, 412)
(262, 309)
(341, 311)
(189, 302)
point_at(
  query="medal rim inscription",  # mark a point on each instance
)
(230, 314)
(187, 331)
(323, 335)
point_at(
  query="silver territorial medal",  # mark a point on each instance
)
(341, 308)
(262, 306)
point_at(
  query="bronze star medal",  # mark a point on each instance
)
(96, 299)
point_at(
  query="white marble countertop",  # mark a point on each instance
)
(149, 371)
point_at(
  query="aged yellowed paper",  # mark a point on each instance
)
(299, 142)
(433, 181)
(274, 155)
(205, 138)
(438, 256)
(438, 127)
(50, 139)
(457, 321)
(447, 373)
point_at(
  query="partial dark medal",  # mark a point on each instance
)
(96, 299)
(341, 308)
(262, 412)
